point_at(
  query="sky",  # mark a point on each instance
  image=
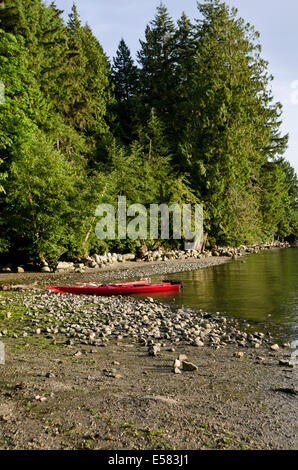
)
(276, 21)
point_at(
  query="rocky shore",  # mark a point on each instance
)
(127, 373)
(97, 320)
(87, 372)
(98, 262)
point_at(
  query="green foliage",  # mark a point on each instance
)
(124, 76)
(234, 126)
(196, 122)
(42, 198)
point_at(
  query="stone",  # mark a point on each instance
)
(274, 347)
(239, 355)
(8, 315)
(286, 345)
(45, 269)
(189, 366)
(92, 337)
(154, 349)
(286, 363)
(260, 359)
(50, 375)
(128, 257)
(64, 266)
(20, 269)
(39, 398)
(177, 363)
(6, 269)
(197, 342)
(182, 357)
(176, 370)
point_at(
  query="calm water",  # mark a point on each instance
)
(261, 288)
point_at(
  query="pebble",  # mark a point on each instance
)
(197, 342)
(286, 363)
(50, 375)
(182, 357)
(39, 398)
(274, 347)
(260, 359)
(117, 376)
(239, 355)
(189, 366)
(154, 349)
(118, 318)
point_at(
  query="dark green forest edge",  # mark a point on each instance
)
(193, 120)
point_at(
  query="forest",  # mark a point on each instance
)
(191, 120)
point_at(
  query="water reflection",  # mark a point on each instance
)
(260, 288)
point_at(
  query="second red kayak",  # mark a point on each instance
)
(119, 289)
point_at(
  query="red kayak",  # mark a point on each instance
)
(125, 288)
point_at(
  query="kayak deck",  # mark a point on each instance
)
(128, 288)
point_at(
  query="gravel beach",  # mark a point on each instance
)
(87, 372)
(113, 272)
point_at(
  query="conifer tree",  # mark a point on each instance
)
(124, 76)
(87, 85)
(157, 74)
(233, 126)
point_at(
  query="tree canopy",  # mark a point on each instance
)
(192, 119)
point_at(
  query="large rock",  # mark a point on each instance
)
(5, 269)
(97, 258)
(128, 257)
(64, 266)
(45, 269)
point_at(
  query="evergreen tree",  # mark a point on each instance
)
(233, 126)
(197, 123)
(157, 74)
(124, 76)
(279, 200)
(87, 90)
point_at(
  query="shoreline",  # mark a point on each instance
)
(99, 374)
(135, 269)
(117, 262)
(115, 272)
(107, 372)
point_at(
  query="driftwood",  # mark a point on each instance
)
(291, 390)
(18, 287)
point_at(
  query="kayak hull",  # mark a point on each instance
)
(117, 289)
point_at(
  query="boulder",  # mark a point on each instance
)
(64, 266)
(45, 269)
(128, 257)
